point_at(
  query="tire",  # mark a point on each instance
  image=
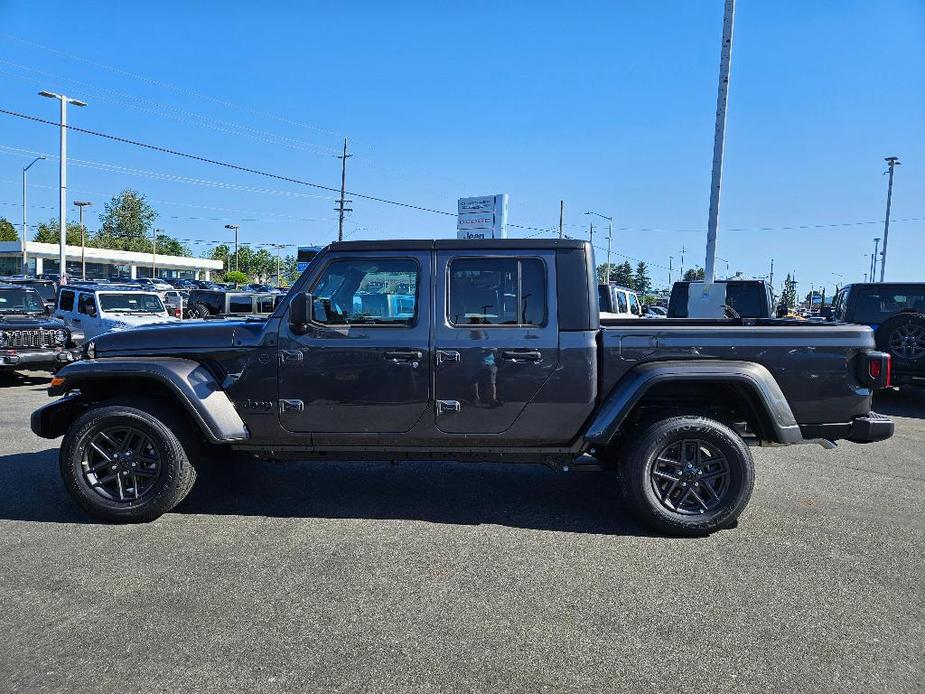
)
(693, 496)
(200, 310)
(167, 440)
(903, 337)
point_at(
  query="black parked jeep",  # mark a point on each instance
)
(29, 338)
(896, 313)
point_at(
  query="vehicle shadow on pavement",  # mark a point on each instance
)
(14, 378)
(908, 401)
(31, 489)
(525, 496)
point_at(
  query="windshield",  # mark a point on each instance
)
(131, 302)
(875, 304)
(20, 301)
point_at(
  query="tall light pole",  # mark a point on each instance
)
(892, 162)
(234, 227)
(62, 180)
(873, 261)
(278, 246)
(719, 139)
(154, 233)
(25, 257)
(81, 204)
(727, 265)
(609, 237)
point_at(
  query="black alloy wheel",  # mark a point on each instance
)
(690, 476)
(908, 342)
(121, 464)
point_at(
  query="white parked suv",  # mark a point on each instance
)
(98, 309)
(618, 302)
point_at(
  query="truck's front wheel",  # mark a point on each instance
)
(121, 464)
(688, 475)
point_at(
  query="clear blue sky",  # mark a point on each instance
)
(608, 106)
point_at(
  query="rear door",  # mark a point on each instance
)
(364, 363)
(496, 337)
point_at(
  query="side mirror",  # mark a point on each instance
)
(91, 310)
(300, 309)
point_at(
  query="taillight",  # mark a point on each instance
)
(178, 312)
(876, 370)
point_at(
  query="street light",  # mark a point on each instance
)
(727, 265)
(892, 162)
(235, 228)
(25, 257)
(83, 237)
(609, 237)
(62, 180)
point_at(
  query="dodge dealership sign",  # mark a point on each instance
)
(482, 218)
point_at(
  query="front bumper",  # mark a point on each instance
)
(38, 359)
(871, 427)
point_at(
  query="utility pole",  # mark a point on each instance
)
(591, 234)
(278, 246)
(670, 261)
(892, 162)
(234, 227)
(25, 257)
(561, 218)
(81, 204)
(771, 276)
(154, 252)
(609, 236)
(682, 262)
(719, 139)
(873, 261)
(62, 181)
(341, 203)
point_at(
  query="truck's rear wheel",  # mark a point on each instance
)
(122, 464)
(688, 475)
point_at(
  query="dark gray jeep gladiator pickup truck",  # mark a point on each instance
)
(461, 350)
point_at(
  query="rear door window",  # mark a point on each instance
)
(497, 291)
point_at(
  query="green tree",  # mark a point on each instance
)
(694, 274)
(7, 230)
(602, 277)
(622, 274)
(288, 270)
(49, 232)
(789, 295)
(642, 283)
(236, 277)
(126, 217)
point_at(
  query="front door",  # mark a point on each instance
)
(496, 338)
(364, 363)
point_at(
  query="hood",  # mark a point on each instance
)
(132, 321)
(180, 336)
(14, 322)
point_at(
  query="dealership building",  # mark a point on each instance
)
(101, 263)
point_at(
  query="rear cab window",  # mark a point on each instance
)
(497, 291)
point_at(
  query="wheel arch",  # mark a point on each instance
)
(746, 387)
(181, 381)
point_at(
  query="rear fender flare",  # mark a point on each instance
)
(761, 385)
(190, 382)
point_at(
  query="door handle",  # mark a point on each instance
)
(445, 355)
(76, 320)
(287, 356)
(521, 355)
(447, 406)
(402, 355)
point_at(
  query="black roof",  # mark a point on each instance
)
(885, 284)
(456, 244)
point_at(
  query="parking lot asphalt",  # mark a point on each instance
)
(355, 577)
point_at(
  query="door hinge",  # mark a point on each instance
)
(447, 406)
(291, 406)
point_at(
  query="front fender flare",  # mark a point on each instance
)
(189, 381)
(754, 377)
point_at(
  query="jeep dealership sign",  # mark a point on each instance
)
(482, 218)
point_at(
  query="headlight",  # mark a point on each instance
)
(4, 339)
(61, 336)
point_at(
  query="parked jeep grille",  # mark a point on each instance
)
(30, 338)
